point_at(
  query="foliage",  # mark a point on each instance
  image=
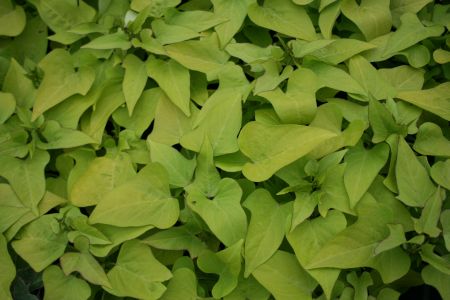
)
(232, 149)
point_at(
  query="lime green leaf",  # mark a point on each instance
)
(173, 79)
(200, 20)
(440, 172)
(362, 167)
(284, 17)
(271, 147)
(429, 218)
(403, 78)
(382, 122)
(435, 100)
(445, 222)
(11, 209)
(133, 81)
(440, 263)
(61, 80)
(8, 270)
(438, 279)
(26, 177)
(137, 278)
(266, 229)
(226, 264)
(7, 106)
(328, 16)
(59, 286)
(395, 238)
(118, 40)
(101, 176)
(183, 285)
(57, 137)
(41, 242)
(372, 17)
(235, 12)
(179, 168)
(85, 264)
(169, 34)
(222, 213)
(283, 276)
(414, 184)
(12, 19)
(148, 201)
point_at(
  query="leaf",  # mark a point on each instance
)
(183, 285)
(440, 263)
(177, 238)
(272, 147)
(382, 122)
(100, 176)
(173, 79)
(59, 286)
(372, 17)
(203, 56)
(26, 177)
(317, 232)
(62, 15)
(362, 167)
(207, 178)
(117, 40)
(12, 19)
(85, 264)
(41, 242)
(438, 279)
(223, 212)
(400, 7)
(7, 106)
(179, 168)
(410, 32)
(61, 80)
(395, 238)
(414, 184)
(57, 137)
(328, 16)
(429, 218)
(8, 270)
(434, 100)
(148, 201)
(403, 78)
(284, 278)
(440, 172)
(134, 80)
(445, 222)
(137, 278)
(235, 12)
(169, 34)
(298, 105)
(226, 264)
(11, 209)
(198, 20)
(265, 230)
(284, 17)
(220, 120)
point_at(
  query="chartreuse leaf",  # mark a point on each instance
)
(271, 147)
(100, 176)
(226, 264)
(316, 233)
(248, 288)
(85, 264)
(177, 238)
(57, 137)
(157, 7)
(399, 7)
(26, 177)
(11, 209)
(372, 17)
(173, 79)
(183, 285)
(179, 168)
(403, 78)
(198, 20)
(435, 100)
(265, 230)
(62, 79)
(144, 200)
(284, 17)
(8, 270)
(41, 242)
(204, 55)
(441, 263)
(207, 177)
(445, 222)
(329, 12)
(431, 141)
(298, 104)
(360, 284)
(235, 12)
(437, 279)
(284, 278)
(362, 167)
(220, 120)
(222, 211)
(7, 106)
(382, 122)
(59, 286)
(410, 32)
(413, 181)
(333, 192)
(395, 238)
(12, 19)
(440, 172)
(134, 80)
(139, 278)
(169, 34)
(117, 40)
(429, 218)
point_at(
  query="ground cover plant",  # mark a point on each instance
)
(224, 149)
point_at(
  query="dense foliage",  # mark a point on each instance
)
(226, 149)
